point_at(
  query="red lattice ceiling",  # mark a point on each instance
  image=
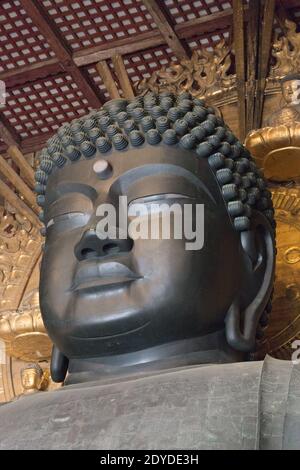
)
(143, 64)
(21, 43)
(209, 40)
(86, 23)
(41, 107)
(185, 10)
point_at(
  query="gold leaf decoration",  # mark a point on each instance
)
(207, 73)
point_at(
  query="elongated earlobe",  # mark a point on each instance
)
(241, 326)
(59, 365)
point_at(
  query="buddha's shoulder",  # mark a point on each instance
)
(216, 375)
(217, 406)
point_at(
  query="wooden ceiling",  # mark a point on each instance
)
(52, 52)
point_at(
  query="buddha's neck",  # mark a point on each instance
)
(210, 349)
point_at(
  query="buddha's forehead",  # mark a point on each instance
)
(158, 164)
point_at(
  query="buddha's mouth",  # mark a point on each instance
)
(94, 274)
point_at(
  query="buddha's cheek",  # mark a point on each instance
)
(58, 266)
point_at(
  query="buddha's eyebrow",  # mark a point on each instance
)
(128, 178)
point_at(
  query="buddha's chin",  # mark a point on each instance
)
(108, 329)
(105, 314)
(77, 343)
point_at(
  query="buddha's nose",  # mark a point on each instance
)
(91, 245)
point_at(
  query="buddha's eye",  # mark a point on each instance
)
(158, 197)
(69, 211)
(155, 204)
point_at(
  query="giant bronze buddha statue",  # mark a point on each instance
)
(153, 336)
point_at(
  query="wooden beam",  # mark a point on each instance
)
(107, 78)
(264, 52)
(18, 204)
(153, 38)
(121, 46)
(18, 183)
(239, 47)
(252, 60)
(206, 24)
(23, 165)
(49, 30)
(35, 143)
(30, 144)
(165, 26)
(30, 73)
(122, 75)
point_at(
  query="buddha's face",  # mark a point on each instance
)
(291, 91)
(111, 296)
(31, 379)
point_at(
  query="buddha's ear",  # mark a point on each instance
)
(258, 248)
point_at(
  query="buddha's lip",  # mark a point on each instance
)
(93, 273)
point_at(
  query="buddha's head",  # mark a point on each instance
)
(106, 291)
(290, 86)
(31, 378)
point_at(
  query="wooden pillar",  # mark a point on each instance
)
(264, 50)
(252, 60)
(240, 62)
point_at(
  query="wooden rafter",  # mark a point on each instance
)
(239, 47)
(107, 78)
(28, 145)
(20, 161)
(30, 73)
(122, 75)
(264, 50)
(56, 41)
(17, 182)
(31, 144)
(163, 22)
(12, 198)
